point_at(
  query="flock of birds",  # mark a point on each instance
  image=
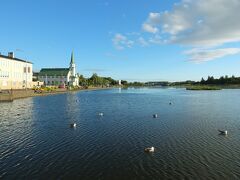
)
(150, 149)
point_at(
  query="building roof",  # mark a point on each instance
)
(16, 59)
(72, 59)
(54, 72)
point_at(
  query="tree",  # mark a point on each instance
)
(82, 80)
(202, 81)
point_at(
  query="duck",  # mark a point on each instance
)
(155, 115)
(149, 149)
(223, 132)
(73, 125)
(100, 114)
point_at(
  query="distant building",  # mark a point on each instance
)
(119, 82)
(15, 73)
(36, 83)
(60, 76)
(35, 76)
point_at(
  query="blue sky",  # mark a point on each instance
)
(137, 40)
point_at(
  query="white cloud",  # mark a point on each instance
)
(149, 28)
(202, 55)
(121, 42)
(142, 41)
(201, 24)
(156, 39)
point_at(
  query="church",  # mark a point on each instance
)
(60, 76)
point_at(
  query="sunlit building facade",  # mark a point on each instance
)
(15, 73)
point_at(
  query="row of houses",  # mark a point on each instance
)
(17, 73)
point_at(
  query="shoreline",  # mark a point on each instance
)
(20, 94)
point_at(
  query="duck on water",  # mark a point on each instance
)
(149, 149)
(223, 132)
(73, 125)
(100, 114)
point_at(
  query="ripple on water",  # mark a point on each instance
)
(36, 140)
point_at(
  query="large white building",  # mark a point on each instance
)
(60, 76)
(15, 73)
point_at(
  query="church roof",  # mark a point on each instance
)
(54, 72)
(72, 59)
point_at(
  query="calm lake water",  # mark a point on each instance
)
(36, 141)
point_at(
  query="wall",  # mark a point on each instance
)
(53, 80)
(13, 74)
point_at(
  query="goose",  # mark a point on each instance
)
(155, 115)
(223, 132)
(73, 125)
(149, 149)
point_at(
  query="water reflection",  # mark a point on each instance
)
(119, 90)
(72, 109)
(16, 133)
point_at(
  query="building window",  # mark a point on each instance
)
(24, 69)
(29, 69)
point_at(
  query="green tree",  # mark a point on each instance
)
(82, 81)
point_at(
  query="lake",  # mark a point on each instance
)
(36, 141)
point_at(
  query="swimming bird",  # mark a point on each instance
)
(73, 125)
(155, 115)
(223, 132)
(149, 149)
(100, 114)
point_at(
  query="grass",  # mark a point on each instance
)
(203, 87)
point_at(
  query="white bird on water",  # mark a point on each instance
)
(100, 114)
(223, 132)
(73, 125)
(149, 149)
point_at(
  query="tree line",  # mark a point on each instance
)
(96, 80)
(223, 80)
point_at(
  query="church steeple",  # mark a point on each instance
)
(72, 67)
(72, 72)
(72, 58)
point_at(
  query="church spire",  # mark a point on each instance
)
(72, 59)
